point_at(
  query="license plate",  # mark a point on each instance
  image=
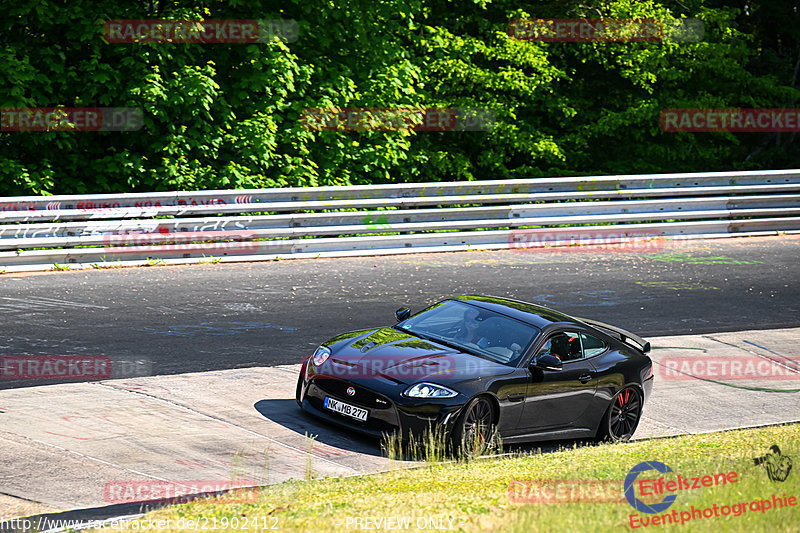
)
(346, 409)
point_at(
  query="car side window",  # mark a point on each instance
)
(566, 345)
(592, 345)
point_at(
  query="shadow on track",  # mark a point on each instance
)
(286, 413)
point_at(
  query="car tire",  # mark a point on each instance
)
(474, 431)
(298, 390)
(622, 416)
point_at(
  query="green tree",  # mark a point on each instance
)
(229, 115)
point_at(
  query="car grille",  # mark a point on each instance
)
(363, 397)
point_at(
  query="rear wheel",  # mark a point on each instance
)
(622, 417)
(474, 433)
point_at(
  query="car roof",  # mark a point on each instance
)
(533, 314)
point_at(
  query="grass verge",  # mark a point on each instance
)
(478, 495)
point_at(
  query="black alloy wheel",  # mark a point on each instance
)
(475, 428)
(623, 415)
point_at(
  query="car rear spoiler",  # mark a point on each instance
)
(625, 336)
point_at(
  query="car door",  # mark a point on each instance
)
(556, 398)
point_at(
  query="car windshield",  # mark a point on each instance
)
(474, 330)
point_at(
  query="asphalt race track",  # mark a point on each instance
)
(216, 317)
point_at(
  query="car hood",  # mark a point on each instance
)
(404, 358)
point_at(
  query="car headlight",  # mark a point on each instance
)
(321, 355)
(429, 390)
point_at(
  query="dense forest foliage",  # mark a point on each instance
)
(229, 115)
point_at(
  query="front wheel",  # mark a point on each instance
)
(622, 417)
(299, 390)
(474, 432)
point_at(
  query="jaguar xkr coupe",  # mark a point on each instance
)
(478, 366)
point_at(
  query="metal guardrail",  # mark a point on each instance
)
(100, 231)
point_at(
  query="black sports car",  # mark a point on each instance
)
(475, 365)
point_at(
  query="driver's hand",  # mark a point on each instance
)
(516, 348)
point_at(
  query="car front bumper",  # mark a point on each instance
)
(388, 411)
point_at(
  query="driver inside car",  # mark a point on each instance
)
(469, 332)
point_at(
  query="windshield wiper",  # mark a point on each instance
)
(410, 332)
(428, 338)
(451, 345)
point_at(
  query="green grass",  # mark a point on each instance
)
(155, 261)
(434, 446)
(475, 494)
(210, 259)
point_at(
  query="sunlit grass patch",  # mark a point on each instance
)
(474, 495)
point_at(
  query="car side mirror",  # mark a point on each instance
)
(547, 362)
(402, 313)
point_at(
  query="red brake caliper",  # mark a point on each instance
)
(621, 401)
